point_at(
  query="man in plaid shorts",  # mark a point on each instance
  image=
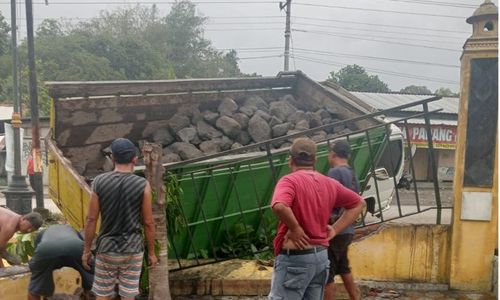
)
(121, 198)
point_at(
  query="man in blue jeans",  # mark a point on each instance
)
(303, 202)
(337, 251)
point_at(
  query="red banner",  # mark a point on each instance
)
(443, 136)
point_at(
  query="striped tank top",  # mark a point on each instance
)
(120, 200)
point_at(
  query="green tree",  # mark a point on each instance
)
(416, 89)
(4, 35)
(355, 78)
(445, 92)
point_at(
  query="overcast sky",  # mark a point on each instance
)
(404, 42)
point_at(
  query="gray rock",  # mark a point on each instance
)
(302, 125)
(242, 119)
(258, 129)
(162, 136)
(265, 116)
(256, 101)
(314, 120)
(236, 146)
(298, 116)
(227, 107)
(170, 158)
(281, 129)
(323, 113)
(274, 121)
(186, 150)
(302, 104)
(319, 136)
(225, 143)
(292, 131)
(244, 138)
(207, 131)
(210, 116)
(229, 126)
(177, 122)
(187, 135)
(210, 147)
(281, 109)
(248, 110)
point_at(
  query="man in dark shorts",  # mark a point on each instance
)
(56, 247)
(124, 202)
(337, 251)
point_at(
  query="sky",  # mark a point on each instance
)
(403, 42)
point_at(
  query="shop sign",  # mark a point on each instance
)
(443, 136)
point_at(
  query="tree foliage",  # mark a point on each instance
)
(134, 43)
(445, 92)
(355, 78)
(4, 35)
(416, 89)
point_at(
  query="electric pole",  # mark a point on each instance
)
(35, 136)
(288, 8)
(17, 195)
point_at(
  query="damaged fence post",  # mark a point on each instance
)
(158, 276)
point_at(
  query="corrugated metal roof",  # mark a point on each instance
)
(383, 101)
(422, 121)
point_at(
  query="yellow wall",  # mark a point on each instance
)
(473, 242)
(403, 252)
(67, 280)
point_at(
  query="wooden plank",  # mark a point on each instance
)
(106, 88)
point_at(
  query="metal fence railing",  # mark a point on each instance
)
(222, 206)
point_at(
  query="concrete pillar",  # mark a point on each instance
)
(475, 214)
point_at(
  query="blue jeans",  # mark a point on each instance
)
(297, 277)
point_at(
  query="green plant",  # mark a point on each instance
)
(173, 198)
(244, 242)
(23, 246)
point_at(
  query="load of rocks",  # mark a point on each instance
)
(193, 133)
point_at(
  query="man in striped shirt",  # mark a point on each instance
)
(123, 200)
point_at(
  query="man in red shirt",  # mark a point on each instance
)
(303, 201)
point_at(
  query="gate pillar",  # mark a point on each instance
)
(475, 215)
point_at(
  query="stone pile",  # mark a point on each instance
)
(192, 132)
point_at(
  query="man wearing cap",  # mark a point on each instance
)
(303, 202)
(337, 251)
(121, 198)
(10, 223)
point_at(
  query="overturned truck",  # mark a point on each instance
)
(224, 145)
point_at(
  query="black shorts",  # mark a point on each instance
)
(337, 254)
(42, 280)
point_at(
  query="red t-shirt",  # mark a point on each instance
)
(312, 197)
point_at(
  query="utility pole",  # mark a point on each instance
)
(288, 8)
(33, 89)
(17, 195)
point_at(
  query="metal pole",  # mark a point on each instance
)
(35, 137)
(432, 162)
(17, 195)
(288, 7)
(16, 118)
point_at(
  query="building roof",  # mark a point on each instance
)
(381, 101)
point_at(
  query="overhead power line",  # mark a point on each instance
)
(379, 71)
(380, 25)
(379, 10)
(437, 3)
(341, 54)
(347, 36)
